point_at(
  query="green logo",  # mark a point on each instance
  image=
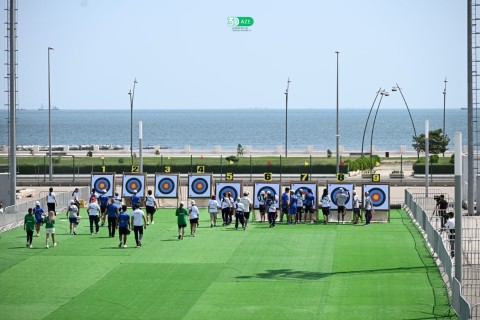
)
(240, 22)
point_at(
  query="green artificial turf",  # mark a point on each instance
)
(305, 271)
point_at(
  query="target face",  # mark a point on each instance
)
(303, 189)
(233, 188)
(199, 186)
(334, 189)
(166, 186)
(133, 182)
(273, 188)
(103, 181)
(379, 194)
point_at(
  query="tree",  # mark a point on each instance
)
(438, 142)
(239, 150)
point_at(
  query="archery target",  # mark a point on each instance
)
(199, 186)
(133, 182)
(304, 188)
(234, 188)
(258, 187)
(166, 186)
(334, 189)
(103, 181)
(379, 194)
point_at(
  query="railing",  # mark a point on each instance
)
(428, 221)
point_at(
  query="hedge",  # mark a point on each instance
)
(419, 168)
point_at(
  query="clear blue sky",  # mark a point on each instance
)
(184, 55)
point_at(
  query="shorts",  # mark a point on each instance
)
(38, 221)
(261, 208)
(192, 221)
(73, 220)
(293, 211)
(285, 209)
(103, 209)
(123, 231)
(150, 210)
(341, 209)
(309, 208)
(356, 210)
(51, 207)
(326, 211)
(246, 215)
(50, 230)
(182, 226)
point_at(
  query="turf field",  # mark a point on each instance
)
(307, 271)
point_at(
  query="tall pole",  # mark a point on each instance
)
(140, 144)
(369, 113)
(427, 156)
(131, 93)
(12, 154)
(458, 206)
(50, 162)
(444, 104)
(337, 135)
(286, 119)
(409, 113)
(383, 93)
(470, 74)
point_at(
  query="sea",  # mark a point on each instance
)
(262, 129)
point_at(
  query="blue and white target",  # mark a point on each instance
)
(333, 196)
(230, 190)
(101, 184)
(377, 196)
(133, 184)
(166, 186)
(199, 186)
(103, 181)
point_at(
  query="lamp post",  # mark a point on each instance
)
(286, 118)
(368, 118)
(50, 163)
(131, 93)
(382, 94)
(395, 88)
(337, 134)
(444, 104)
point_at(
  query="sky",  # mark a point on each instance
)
(184, 55)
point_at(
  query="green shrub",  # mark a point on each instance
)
(434, 158)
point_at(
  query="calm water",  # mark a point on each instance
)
(202, 129)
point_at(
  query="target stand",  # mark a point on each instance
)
(380, 196)
(235, 188)
(131, 182)
(199, 188)
(302, 188)
(103, 181)
(167, 189)
(273, 187)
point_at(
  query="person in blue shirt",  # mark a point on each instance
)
(103, 199)
(112, 213)
(292, 208)
(285, 203)
(39, 213)
(309, 204)
(123, 226)
(135, 199)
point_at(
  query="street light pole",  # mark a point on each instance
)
(337, 134)
(50, 162)
(131, 93)
(395, 88)
(383, 93)
(368, 118)
(444, 104)
(286, 118)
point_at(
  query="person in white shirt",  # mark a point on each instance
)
(342, 198)
(261, 205)
(368, 208)
(73, 218)
(450, 226)
(139, 223)
(239, 211)
(213, 210)
(356, 207)
(51, 201)
(118, 199)
(75, 198)
(93, 211)
(150, 206)
(225, 205)
(194, 216)
(247, 205)
(325, 205)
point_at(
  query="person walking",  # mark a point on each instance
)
(356, 207)
(124, 226)
(135, 199)
(51, 201)
(300, 206)
(450, 226)
(76, 198)
(261, 205)
(118, 199)
(341, 198)
(247, 206)
(368, 208)
(194, 217)
(39, 214)
(213, 210)
(325, 206)
(271, 206)
(239, 214)
(285, 204)
(103, 199)
(442, 206)
(292, 208)
(150, 207)
(181, 214)
(225, 205)
(72, 213)
(113, 210)
(50, 228)
(29, 226)
(93, 211)
(139, 223)
(309, 204)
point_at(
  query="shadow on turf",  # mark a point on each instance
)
(289, 274)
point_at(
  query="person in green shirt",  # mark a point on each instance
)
(181, 214)
(50, 228)
(29, 226)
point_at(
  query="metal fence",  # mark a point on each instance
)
(429, 223)
(13, 216)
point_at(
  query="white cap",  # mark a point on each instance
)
(72, 202)
(192, 202)
(104, 191)
(37, 203)
(341, 189)
(182, 203)
(135, 191)
(354, 192)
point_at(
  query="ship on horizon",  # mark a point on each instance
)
(43, 108)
